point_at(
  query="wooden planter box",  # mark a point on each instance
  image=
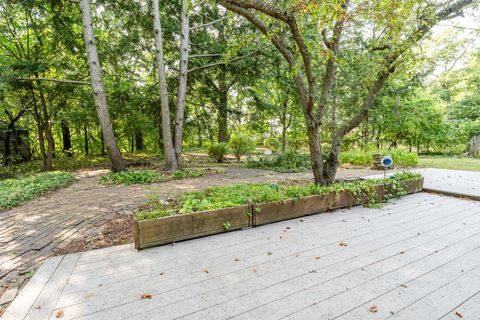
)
(264, 213)
(149, 233)
(345, 199)
(412, 185)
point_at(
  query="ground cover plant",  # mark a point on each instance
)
(17, 191)
(290, 161)
(152, 176)
(240, 194)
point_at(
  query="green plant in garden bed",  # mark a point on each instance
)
(151, 176)
(240, 194)
(16, 191)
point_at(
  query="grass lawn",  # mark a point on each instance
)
(450, 163)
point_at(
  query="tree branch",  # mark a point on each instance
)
(53, 80)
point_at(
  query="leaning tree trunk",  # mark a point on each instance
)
(172, 163)
(316, 156)
(118, 164)
(182, 82)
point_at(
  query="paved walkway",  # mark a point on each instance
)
(417, 258)
(453, 182)
(32, 232)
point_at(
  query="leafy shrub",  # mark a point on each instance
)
(241, 144)
(359, 157)
(148, 176)
(273, 143)
(16, 191)
(217, 151)
(291, 161)
(235, 195)
(132, 177)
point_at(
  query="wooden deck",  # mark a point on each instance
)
(417, 258)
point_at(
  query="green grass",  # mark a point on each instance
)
(235, 195)
(17, 191)
(151, 176)
(460, 163)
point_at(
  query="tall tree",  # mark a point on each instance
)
(297, 28)
(100, 97)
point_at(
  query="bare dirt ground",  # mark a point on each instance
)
(87, 215)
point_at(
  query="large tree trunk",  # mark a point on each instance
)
(172, 162)
(474, 147)
(118, 164)
(66, 137)
(316, 157)
(182, 81)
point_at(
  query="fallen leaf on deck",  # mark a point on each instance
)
(254, 270)
(458, 314)
(236, 259)
(373, 308)
(343, 243)
(205, 270)
(403, 285)
(317, 258)
(147, 296)
(59, 314)
(88, 295)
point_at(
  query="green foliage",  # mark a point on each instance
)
(149, 176)
(217, 151)
(241, 144)
(16, 191)
(359, 157)
(291, 161)
(272, 143)
(235, 195)
(132, 177)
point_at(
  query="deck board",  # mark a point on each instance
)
(406, 258)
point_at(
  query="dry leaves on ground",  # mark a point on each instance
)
(147, 296)
(343, 243)
(59, 314)
(373, 308)
(458, 314)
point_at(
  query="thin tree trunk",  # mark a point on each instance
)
(8, 133)
(99, 95)
(85, 138)
(316, 157)
(139, 146)
(182, 82)
(66, 137)
(172, 163)
(222, 118)
(103, 143)
(39, 122)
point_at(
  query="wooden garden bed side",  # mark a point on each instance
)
(264, 213)
(412, 185)
(155, 232)
(346, 198)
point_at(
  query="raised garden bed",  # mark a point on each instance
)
(163, 230)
